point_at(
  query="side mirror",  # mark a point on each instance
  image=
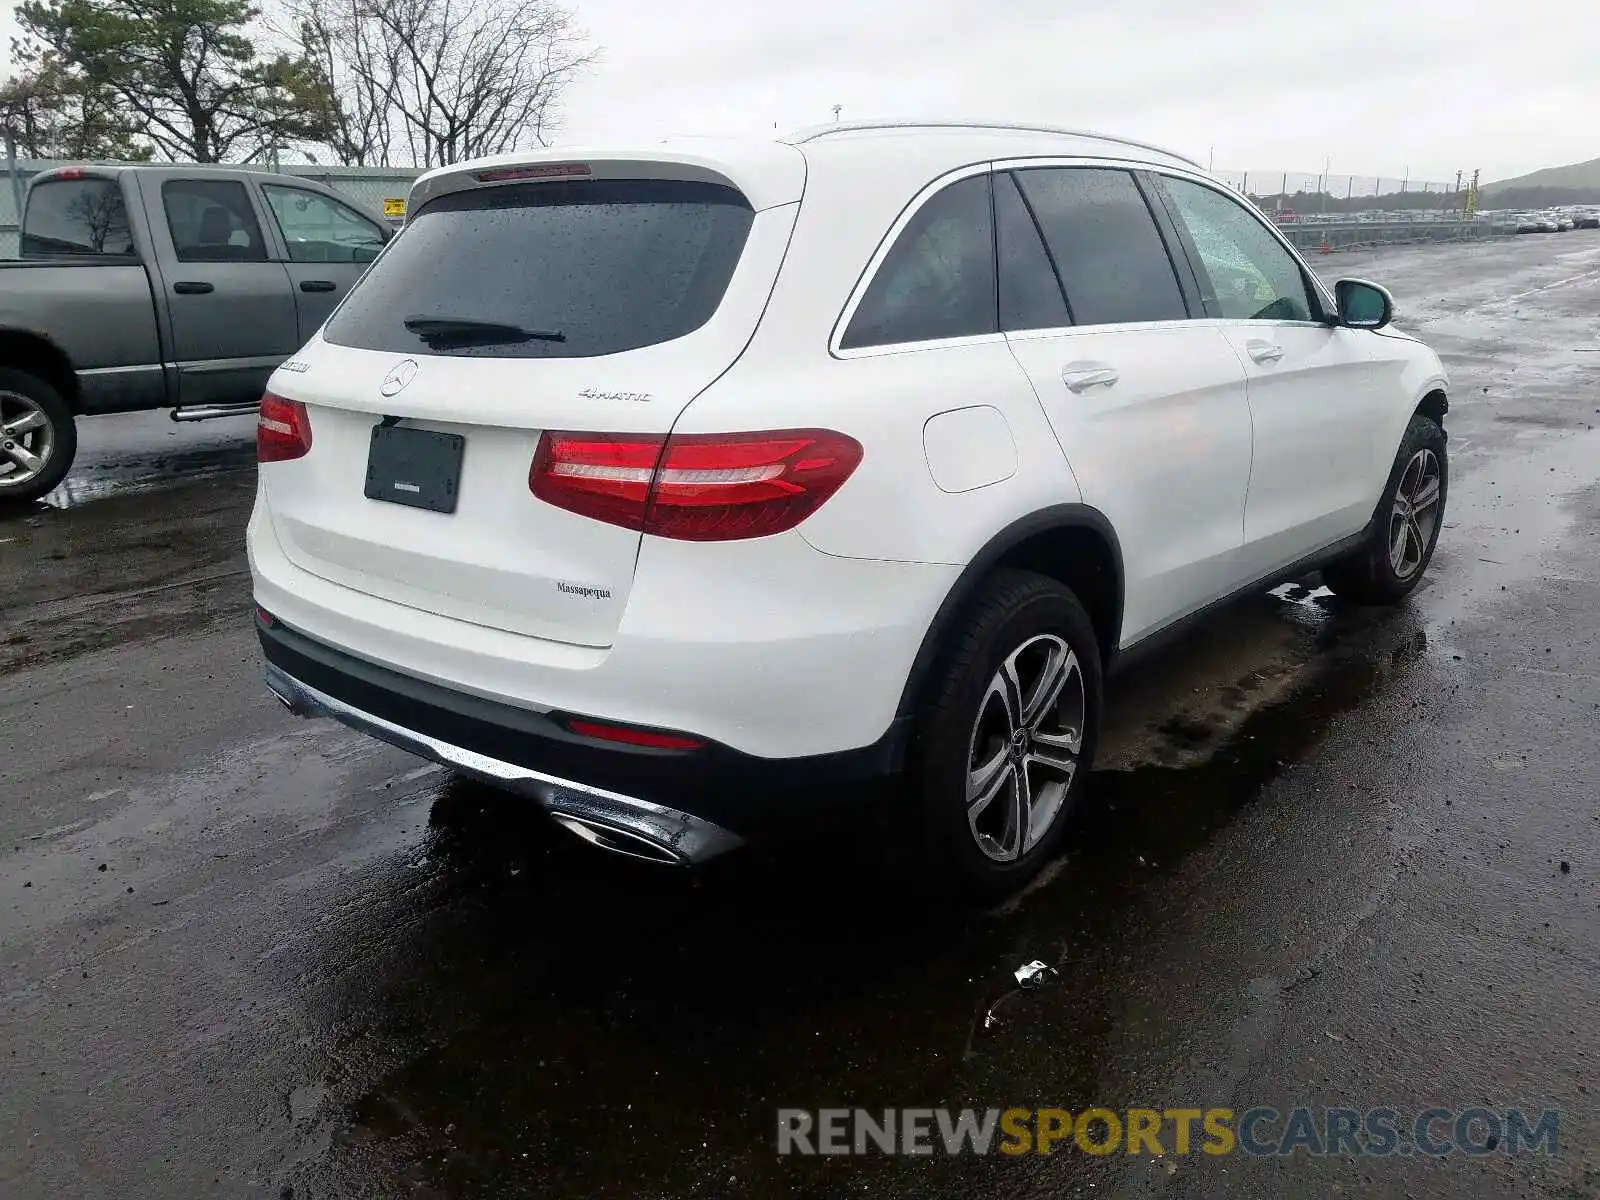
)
(1363, 305)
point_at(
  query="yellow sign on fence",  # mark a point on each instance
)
(394, 208)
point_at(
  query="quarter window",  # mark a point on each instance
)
(938, 280)
(212, 220)
(1105, 244)
(1246, 274)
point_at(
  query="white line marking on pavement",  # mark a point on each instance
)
(1511, 299)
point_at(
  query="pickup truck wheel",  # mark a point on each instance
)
(38, 437)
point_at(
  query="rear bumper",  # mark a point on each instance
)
(678, 806)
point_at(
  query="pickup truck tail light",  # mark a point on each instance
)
(283, 431)
(696, 487)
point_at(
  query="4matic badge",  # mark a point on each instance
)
(599, 394)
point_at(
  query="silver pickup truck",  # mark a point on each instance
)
(148, 287)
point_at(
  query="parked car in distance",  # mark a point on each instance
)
(160, 286)
(675, 485)
(1589, 220)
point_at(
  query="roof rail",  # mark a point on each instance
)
(815, 132)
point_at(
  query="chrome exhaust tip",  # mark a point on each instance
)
(620, 841)
(284, 700)
(288, 692)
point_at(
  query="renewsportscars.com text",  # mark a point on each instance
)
(1257, 1132)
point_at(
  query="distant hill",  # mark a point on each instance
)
(1576, 183)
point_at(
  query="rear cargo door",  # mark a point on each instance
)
(602, 305)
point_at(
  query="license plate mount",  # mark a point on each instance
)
(415, 467)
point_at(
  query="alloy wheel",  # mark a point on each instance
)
(1025, 747)
(1415, 515)
(27, 440)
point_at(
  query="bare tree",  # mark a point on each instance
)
(101, 213)
(430, 82)
(336, 36)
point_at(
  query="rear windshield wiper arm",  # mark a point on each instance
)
(470, 330)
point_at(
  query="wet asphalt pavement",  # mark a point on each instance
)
(1332, 857)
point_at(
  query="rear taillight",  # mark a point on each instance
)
(283, 431)
(697, 487)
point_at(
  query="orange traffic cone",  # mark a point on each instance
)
(1323, 249)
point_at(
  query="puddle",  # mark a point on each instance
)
(147, 473)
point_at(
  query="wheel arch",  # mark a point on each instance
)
(1433, 404)
(34, 353)
(1073, 543)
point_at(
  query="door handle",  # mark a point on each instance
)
(1263, 352)
(190, 287)
(318, 285)
(1081, 376)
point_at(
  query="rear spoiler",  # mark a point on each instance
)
(767, 174)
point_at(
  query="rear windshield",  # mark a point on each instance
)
(550, 270)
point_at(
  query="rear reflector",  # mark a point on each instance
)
(537, 171)
(265, 617)
(698, 487)
(283, 430)
(634, 737)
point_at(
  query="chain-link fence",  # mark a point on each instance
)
(1361, 191)
(1322, 212)
(378, 188)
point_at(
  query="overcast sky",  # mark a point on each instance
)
(1377, 86)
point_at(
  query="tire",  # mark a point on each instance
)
(50, 437)
(1404, 532)
(1032, 622)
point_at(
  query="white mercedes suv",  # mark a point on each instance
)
(674, 485)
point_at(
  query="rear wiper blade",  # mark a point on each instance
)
(469, 329)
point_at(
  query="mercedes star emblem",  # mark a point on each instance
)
(397, 379)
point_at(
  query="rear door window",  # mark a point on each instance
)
(938, 279)
(550, 270)
(212, 220)
(1105, 244)
(76, 217)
